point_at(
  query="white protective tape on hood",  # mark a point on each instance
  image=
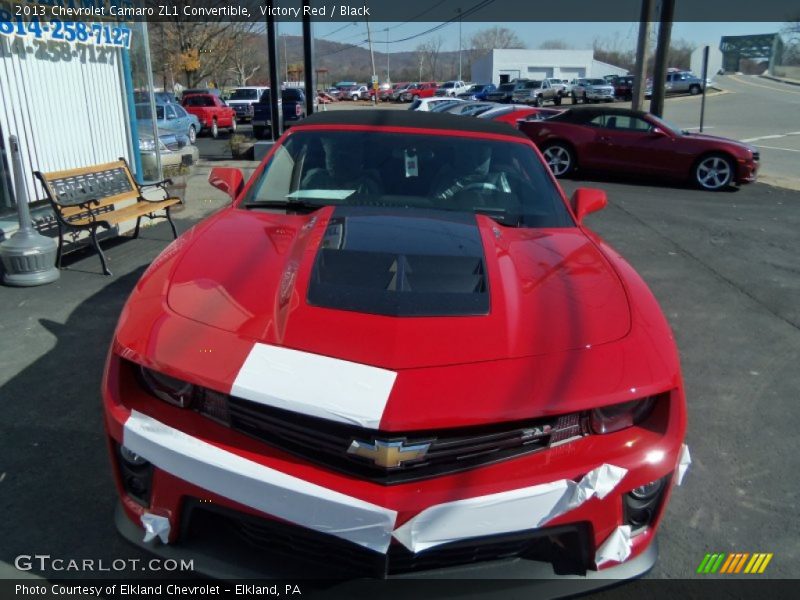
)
(155, 526)
(315, 385)
(684, 460)
(257, 486)
(617, 546)
(516, 510)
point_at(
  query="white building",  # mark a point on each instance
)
(504, 65)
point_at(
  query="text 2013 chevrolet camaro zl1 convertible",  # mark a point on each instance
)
(399, 351)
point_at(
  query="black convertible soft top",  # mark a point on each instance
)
(409, 118)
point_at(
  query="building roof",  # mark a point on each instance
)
(410, 119)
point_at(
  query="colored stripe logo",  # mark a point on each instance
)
(734, 563)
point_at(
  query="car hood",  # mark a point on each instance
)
(704, 137)
(402, 289)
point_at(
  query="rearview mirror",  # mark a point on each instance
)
(227, 179)
(588, 200)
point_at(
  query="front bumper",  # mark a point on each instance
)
(225, 557)
(599, 95)
(196, 460)
(746, 171)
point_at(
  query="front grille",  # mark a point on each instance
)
(326, 442)
(320, 555)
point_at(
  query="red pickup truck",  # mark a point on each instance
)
(213, 113)
(422, 89)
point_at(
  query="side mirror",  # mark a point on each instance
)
(588, 200)
(657, 131)
(227, 179)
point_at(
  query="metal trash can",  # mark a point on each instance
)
(28, 257)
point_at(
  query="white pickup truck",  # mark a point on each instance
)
(452, 88)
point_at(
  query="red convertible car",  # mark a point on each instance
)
(399, 351)
(615, 140)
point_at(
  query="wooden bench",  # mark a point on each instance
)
(88, 198)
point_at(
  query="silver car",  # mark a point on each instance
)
(598, 90)
(683, 82)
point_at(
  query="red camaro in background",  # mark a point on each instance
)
(623, 141)
(213, 113)
(399, 351)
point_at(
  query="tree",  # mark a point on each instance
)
(554, 45)
(244, 62)
(791, 51)
(484, 41)
(196, 51)
(428, 54)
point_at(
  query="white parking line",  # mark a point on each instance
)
(771, 137)
(776, 148)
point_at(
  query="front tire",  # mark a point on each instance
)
(233, 126)
(560, 158)
(214, 129)
(694, 90)
(714, 172)
(192, 134)
(557, 100)
(537, 102)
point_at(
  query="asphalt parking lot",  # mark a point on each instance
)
(724, 267)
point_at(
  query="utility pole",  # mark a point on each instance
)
(459, 44)
(388, 79)
(285, 58)
(662, 52)
(421, 58)
(642, 48)
(374, 82)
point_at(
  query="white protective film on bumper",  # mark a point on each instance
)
(257, 486)
(315, 385)
(617, 546)
(684, 460)
(155, 526)
(516, 510)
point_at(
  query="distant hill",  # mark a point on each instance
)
(346, 62)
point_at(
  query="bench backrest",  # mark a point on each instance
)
(105, 184)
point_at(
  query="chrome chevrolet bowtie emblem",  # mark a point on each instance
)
(388, 454)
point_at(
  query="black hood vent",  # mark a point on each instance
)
(401, 263)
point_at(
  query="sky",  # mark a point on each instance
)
(577, 35)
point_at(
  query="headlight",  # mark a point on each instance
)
(146, 145)
(169, 389)
(619, 416)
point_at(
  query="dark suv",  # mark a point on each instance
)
(502, 93)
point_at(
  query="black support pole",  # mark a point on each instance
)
(662, 54)
(308, 58)
(276, 121)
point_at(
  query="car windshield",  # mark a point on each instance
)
(506, 87)
(597, 82)
(245, 94)
(663, 123)
(532, 84)
(143, 112)
(503, 180)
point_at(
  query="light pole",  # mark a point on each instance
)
(374, 82)
(388, 79)
(285, 57)
(459, 44)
